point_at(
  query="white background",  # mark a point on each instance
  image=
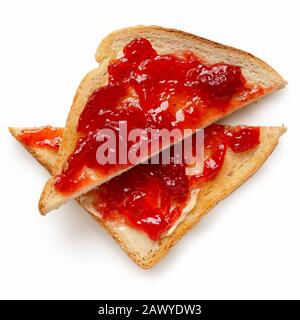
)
(247, 247)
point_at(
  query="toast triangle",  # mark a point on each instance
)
(237, 168)
(164, 41)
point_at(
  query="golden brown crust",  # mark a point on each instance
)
(104, 49)
(237, 169)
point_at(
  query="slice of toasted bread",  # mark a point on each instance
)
(164, 41)
(237, 168)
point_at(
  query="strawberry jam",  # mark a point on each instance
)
(148, 197)
(217, 138)
(151, 91)
(151, 197)
(45, 137)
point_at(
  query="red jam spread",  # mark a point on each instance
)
(151, 91)
(217, 138)
(151, 197)
(45, 137)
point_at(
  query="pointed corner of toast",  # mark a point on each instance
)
(50, 199)
(14, 131)
(283, 129)
(11, 130)
(45, 198)
(47, 158)
(273, 134)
